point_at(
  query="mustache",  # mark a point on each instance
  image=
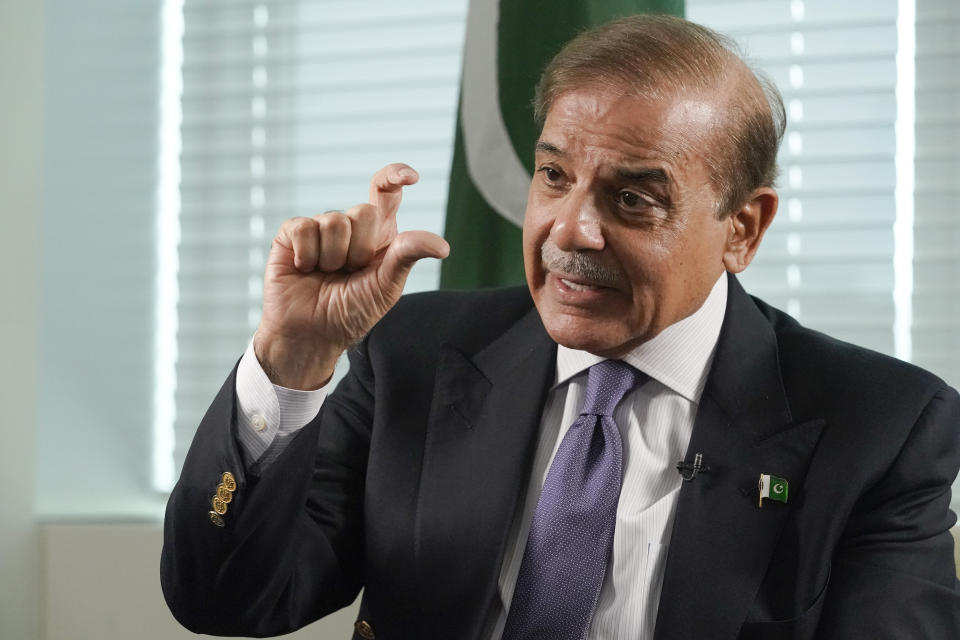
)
(581, 264)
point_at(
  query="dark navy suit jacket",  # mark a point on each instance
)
(407, 482)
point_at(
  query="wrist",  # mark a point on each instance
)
(293, 364)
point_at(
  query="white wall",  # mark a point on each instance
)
(21, 88)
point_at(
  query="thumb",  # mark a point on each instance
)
(404, 252)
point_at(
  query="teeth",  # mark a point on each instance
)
(577, 286)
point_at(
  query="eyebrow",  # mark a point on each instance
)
(652, 174)
(644, 175)
(546, 147)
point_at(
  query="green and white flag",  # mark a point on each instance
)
(773, 487)
(508, 43)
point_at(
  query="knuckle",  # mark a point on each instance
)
(321, 216)
(300, 227)
(334, 222)
(362, 213)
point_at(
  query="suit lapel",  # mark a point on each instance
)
(722, 541)
(479, 447)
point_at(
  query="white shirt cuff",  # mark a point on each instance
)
(266, 410)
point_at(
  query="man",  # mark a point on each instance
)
(451, 474)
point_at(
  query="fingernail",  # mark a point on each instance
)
(407, 173)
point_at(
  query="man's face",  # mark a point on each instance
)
(620, 238)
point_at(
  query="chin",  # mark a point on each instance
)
(593, 336)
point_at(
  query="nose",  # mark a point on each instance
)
(577, 224)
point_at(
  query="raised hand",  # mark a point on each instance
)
(330, 278)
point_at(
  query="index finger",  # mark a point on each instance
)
(386, 187)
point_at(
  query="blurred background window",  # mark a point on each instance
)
(101, 192)
(288, 109)
(180, 133)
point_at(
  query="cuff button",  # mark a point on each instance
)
(364, 630)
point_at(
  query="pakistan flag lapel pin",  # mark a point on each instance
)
(774, 488)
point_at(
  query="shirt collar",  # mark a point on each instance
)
(679, 357)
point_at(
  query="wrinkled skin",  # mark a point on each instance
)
(622, 183)
(330, 278)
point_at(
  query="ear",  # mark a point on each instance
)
(747, 226)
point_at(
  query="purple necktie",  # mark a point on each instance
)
(572, 531)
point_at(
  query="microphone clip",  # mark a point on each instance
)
(688, 471)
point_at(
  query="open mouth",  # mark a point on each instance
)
(580, 286)
(574, 284)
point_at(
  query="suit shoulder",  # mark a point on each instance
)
(807, 353)
(506, 298)
(439, 315)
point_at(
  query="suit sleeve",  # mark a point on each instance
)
(893, 575)
(290, 548)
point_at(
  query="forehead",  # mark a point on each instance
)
(601, 123)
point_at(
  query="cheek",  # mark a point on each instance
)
(649, 257)
(659, 266)
(531, 235)
(537, 223)
(710, 242)
(538, 210)
(535, 230)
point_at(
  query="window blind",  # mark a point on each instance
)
(828, 258)
(288, 108)
(936, 265)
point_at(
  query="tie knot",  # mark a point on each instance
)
(607, 383)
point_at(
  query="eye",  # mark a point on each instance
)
(551, 174)
(632, 200)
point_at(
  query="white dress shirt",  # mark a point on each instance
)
(655, 422)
